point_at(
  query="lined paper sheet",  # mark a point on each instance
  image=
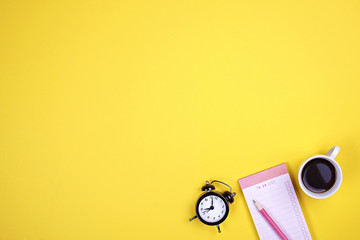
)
(274, 191)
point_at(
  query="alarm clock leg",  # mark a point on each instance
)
(192, 218)
(218, 227)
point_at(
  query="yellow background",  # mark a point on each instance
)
(114, 113)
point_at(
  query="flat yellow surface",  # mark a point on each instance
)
(114, 113)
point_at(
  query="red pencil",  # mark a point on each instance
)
(270, 221)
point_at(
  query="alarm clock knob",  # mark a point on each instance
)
(229, 196)
(208, 187)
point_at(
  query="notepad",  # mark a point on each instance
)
(273, 189)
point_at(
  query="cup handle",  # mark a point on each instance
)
(333, 152)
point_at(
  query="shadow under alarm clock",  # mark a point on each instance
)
(212, 208)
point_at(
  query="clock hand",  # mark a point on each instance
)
(206, 210)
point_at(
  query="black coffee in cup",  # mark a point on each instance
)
(318, 175)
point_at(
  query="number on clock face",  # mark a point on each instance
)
(212, 208)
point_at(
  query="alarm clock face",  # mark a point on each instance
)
(212, 208)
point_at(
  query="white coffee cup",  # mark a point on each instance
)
(329, 156)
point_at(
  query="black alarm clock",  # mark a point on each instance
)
(212, 208)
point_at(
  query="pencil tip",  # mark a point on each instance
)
(254, 201)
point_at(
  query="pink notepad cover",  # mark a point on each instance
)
(273, 189)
